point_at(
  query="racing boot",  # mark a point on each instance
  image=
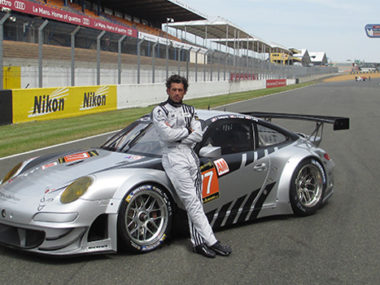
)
(221, 249)
(204, 250)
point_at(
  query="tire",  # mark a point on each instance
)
(307, 187)
(145, 219)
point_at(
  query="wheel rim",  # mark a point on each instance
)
(309, 184)
(146, 217)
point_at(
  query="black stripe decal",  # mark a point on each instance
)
(250, 157)
(235, 210)
(260, 154)
(210, 216)
(260, 201)
(248, 205)
(233, 161)
(221, 215)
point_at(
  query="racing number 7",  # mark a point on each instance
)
(208, 175)
(210, 185)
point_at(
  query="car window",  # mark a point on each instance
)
(139, 137)
(269, 137)
(231, 135)
(147, 143)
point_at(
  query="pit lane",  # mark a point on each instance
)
(337, 245)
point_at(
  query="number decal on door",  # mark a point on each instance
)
(210, 189)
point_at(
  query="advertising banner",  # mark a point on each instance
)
(5, 107)
(272, 83)
(372, 30)
(45, 11)
(40, 104)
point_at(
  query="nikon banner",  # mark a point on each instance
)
(63, 102)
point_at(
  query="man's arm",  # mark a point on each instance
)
(196, 132)
(166, 133)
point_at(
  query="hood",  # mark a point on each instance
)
(54, 172)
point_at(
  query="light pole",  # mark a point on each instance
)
(168, 20)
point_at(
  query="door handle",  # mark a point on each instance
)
(260, 167)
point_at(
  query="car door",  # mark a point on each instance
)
(270, 142)
(233, 180)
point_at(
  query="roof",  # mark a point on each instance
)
(302, 53)
(222, 31)
(154, 10)
(211, 29)
(317, 56)
(247, 43)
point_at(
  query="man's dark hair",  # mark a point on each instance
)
(177, 79)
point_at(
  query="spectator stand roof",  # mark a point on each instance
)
(219, 30)
(156, 11)
(222, 31)
(318, 58)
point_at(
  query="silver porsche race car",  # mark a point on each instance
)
(116, 196)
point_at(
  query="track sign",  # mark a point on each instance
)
(373, 31)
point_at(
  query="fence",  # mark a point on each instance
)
(51, 53)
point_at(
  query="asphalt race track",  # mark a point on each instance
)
(338, 245)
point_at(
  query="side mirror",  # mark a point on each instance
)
(210, 151)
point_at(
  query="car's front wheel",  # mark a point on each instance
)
(307, 186)
(145, 218)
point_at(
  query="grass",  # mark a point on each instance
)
(23, 137)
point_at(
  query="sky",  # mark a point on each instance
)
(333, 26)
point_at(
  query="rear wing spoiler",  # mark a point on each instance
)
(339, 123)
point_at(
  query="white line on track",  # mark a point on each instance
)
(56, 145)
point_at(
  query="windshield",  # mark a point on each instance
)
(139, 137)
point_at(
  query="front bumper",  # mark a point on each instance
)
(94, 230)
(61, 241)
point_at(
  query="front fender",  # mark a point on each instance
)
(115, 184)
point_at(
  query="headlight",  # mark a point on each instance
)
(76, 189)
(11, 173)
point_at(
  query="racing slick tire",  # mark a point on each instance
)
(145, 219)
(307, 187)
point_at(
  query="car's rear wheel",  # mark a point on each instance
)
(145, 218)
(307, 187)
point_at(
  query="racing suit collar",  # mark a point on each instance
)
(174, 104)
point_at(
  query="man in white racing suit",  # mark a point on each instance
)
(178, 130)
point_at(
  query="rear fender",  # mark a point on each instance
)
(286, 177)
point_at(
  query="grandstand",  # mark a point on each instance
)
(115, 41)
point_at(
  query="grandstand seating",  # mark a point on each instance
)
(76, 8)
(12, 49)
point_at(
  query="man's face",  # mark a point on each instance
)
(176, 92)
